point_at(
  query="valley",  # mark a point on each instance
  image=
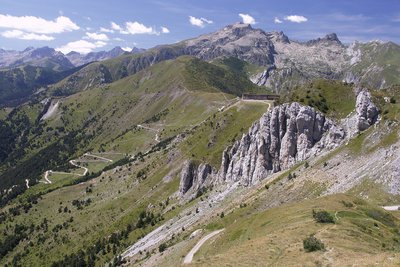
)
(154, 158)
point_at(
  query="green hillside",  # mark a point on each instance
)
(169, 97)
(170, 101)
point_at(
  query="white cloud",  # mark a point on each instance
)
(164, 30)
(118, 39)
(81, 46)
(127, 48)
(207, 20)
(37, 25)
(115, 26)
(17, 34)
(97, 36)
(106, 30)
(277, 20)
(133, 27)
(199, 22)
(296, 18)
(138, 28)
(247, 19)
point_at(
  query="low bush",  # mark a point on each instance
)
(323, 216)
(312, 243)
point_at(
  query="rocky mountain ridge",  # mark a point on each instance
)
(50, 58)
(78, 59)
(42, 57)
(284, 136)
(284, 62)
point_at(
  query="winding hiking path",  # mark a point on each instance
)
(95, 156)
(157, 138)
(46, 177)
(391, 208)
(27, 183)
(79, 166)
(75, 164)
(189, 257)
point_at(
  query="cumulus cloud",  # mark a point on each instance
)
(199, 22)
(296, 18)
(97, 36)
(133, 27)
(81, 46)
(164, 30)
(277, 20)
(17, 34)
(38, 25)
(138, 28)
(246, 18)
(106, 30)
(115, 26)
(118, 39)
(127, 48)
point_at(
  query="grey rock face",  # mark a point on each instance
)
(283, 136)
(238, 40)
(187, 177)
(193, 177)
(80, 59)
(288, 134)
(42, 57)
(367, 112)
(365, 115)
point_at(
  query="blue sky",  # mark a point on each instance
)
(88, 25)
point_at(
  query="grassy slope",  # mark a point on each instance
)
(118, 196)
(334, 98)
(19, 84)
(362, 234)
(384, 57)
(211, 138)
(165, 97)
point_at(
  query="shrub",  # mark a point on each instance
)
(162, 247)
(312, 243)
(323, 216)
(347, 204)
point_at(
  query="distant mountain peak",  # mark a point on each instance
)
(44, 51)
(332, 37)
(72, 53)
(117, 48)
(136, 50)
(279, 37)
(329, 38)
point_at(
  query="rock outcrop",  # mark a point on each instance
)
(194, 177)
(367, 112)
(287, 134)
(365, 115)
(284, 136)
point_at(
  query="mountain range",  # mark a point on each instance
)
(138, 158)
(277, 62)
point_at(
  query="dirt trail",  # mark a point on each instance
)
(27, 183)
(186, 219)
(46, 177)
(74, 163)
(79, 166)
(189, 257)
(95, 156)
(391, 208)
(157, 138)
